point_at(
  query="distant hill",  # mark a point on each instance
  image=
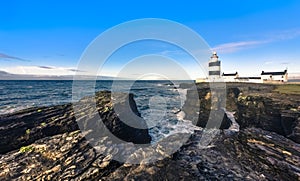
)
(8, 76)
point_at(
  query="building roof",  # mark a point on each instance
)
(274, 73)
(233, 74)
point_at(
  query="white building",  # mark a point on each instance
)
(230, 77)
(274, 76)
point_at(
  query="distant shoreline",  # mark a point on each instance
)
(289, 81)
(294, 80)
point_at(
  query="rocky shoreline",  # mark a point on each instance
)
(46, 143)
(254, 105)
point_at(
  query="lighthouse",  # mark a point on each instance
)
(214, 67)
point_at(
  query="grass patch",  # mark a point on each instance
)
(288, 89)
(25, 149)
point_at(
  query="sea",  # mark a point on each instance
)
(159, 101)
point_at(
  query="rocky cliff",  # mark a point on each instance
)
(265, 148)
(255, 105)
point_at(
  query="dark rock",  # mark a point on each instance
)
(119, 113)
(270, 112)
(26, 126)
(60, 157)
(201, 109)
(259, 111)
(252, 154)
(255, 105)
(265, 148)
(290, 121)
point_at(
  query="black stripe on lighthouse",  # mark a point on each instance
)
(214, 72)
(212, 64)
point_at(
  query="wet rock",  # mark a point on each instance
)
(26, 126)
(251, 154)
(264, 148)
(48, 161)
(290, 121)
(205, 108)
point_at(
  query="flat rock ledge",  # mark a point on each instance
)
(26, 126)
(45, 143)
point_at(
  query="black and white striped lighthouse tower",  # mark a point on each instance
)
(214, 67)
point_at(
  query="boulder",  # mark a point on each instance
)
(201, 109)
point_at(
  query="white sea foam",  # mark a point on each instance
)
(175, 122)
(234, 125)
(12, 109)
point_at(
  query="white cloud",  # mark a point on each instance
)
(235, 46)
(40, 70)
(269, 38)
(285, 35)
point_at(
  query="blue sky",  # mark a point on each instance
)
(48, 37)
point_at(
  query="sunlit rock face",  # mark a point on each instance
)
(264, 147)
(254, 105)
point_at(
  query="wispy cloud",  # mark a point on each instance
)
(45, 67)
(59, 68)
(5, 56)
(285, 63)
(268, 38)
(75, 70)
(235, 46)
(43, 70)
(285, 35)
